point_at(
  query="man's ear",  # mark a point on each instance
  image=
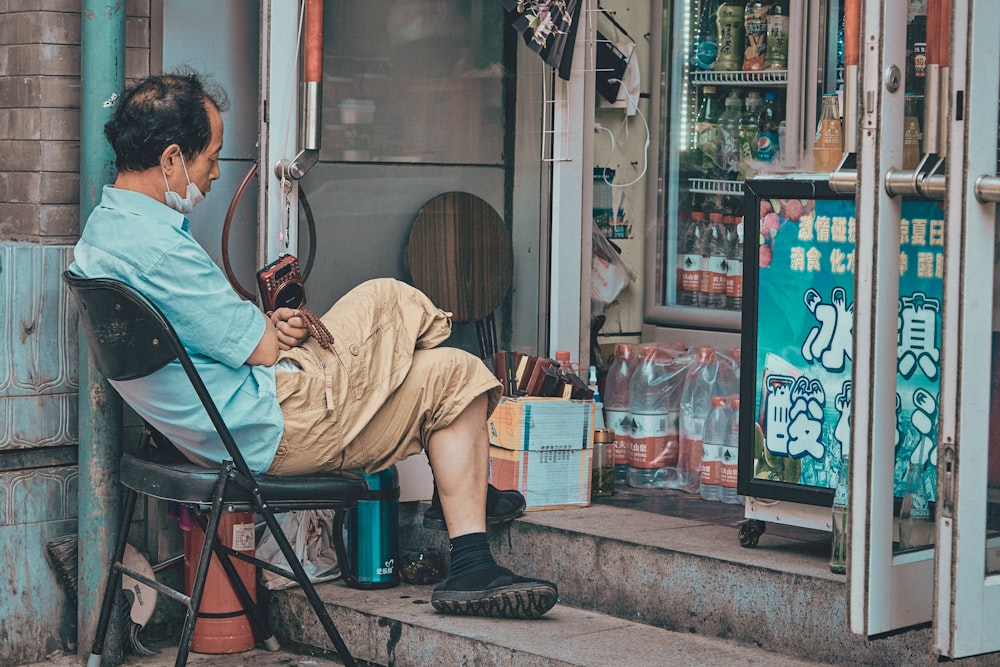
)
(169, 158)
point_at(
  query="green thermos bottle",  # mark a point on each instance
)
(373, 534)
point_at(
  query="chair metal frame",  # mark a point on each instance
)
(128, 338)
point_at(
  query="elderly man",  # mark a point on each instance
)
(381, 392)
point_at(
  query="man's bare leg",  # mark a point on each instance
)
(459, 456)
(476, 585)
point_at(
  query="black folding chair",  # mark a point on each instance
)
(130, 338)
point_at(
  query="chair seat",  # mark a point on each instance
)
(185, 482)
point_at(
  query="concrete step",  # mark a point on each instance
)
(399, 627)
(636, 588)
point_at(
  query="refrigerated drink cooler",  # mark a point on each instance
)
(797, 339)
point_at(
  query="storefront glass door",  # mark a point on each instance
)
(968, 559)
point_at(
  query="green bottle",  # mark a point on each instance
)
(730, 36)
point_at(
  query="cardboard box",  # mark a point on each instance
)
(542, 424)
(549, 479)
(542, 447)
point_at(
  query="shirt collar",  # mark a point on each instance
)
(142, 205)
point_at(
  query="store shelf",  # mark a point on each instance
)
(710, 186)
(762, 78)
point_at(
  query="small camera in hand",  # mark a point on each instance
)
(281, 285)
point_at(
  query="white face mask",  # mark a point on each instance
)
(174, 200)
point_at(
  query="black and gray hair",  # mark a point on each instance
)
(162, 110)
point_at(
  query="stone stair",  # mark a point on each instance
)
(636, 588)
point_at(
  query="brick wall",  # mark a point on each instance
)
(40, 113)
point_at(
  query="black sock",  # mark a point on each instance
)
(469, 553)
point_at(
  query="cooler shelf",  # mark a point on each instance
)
(748, 78)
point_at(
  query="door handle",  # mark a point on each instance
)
(987, 189)
(927, 180)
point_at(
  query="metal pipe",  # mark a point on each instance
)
(102, 63)
(312, 97)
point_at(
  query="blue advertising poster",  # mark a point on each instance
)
(804, 338)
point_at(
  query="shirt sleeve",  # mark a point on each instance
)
(209, 316)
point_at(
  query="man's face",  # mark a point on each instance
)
(204, 167)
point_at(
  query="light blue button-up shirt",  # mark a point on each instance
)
(143, 243)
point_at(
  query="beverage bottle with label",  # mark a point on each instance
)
(838, 546)
(689, 258)
(729, 137)
(730, 36)
(767, 128)
(716, 430)
(748, 134)
(734, 277)
(655, 406)
(829, 145)
(730, 455)
(916, 54)
(911, 131)
(755, 26)
(713, 265)
(696, 401)
(616, 407)
(706, 48)
(777, 36)
(654, 438)
(706, 130)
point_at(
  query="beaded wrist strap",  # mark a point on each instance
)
(317, 328)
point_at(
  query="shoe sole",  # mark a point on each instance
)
(521, 601)
(435, 523)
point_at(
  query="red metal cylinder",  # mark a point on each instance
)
(222, 625)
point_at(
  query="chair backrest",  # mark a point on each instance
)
(127, 336)
(130, 338)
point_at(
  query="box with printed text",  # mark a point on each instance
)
(542, 448)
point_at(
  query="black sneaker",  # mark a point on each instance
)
(501, 507)
(495, 592)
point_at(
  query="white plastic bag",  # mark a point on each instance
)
(609, 273)
(311, 535)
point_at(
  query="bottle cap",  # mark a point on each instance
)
(562, 355)
(770, 95)
(604, 435)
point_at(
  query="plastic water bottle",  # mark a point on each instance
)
(748, 134)
(838, 545)
(729, 137)
(716, 430)
(654, 441)
(730, 455)
(707, 47)
(616, 408)
(598, 404)
(734, 261)
(696, 401)
(655, 407)
(714, 270)
(689, 270)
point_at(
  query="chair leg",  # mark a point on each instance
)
(201, 574)
(307, 587)
(113, 581)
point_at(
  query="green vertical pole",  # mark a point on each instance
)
(102, 62)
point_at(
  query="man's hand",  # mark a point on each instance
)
(290, 326)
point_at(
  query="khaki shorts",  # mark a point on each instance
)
(377, 395)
